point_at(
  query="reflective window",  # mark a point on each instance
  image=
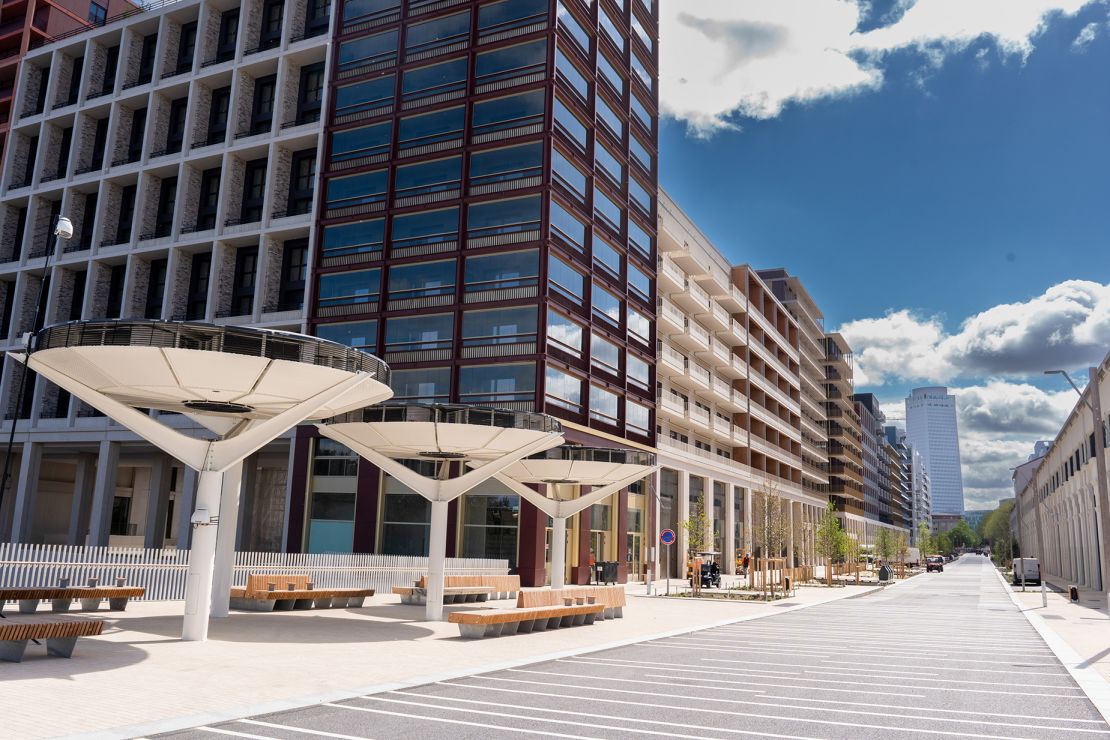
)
(564, 279)
(574, 29)
(637, 371)
(604, 406)
(437, 34)
(609, 28)
(499, 383)
(569, 72)
(605, 355)
(607, 257)
(499, 326)
(570, 124)
(610, 119)
(437, 176)
(640, 195)
(425, 227)
(639, 239)
(434, 80)
(364, 188)
(365, 141)
(640, 153)
(608, 165)
(637, 418)
(358, 334)
(354, 238)
(510, 62)
(507, 164)
(422, 280)
(639, 326)
(642, 34)
(564, 334)
(640, 111)
(430, 128)
(610, 74)
(566, 228)
(642, 74)
(607, 210)
(425, 332)
(426, 385)
(567, 174)
(365, 97)
(639, 283)
(406, 517)
(355, 11)
(490, 522)
(606, 305)
(504, 270)
(349, 288)
(510, 14)
(508, 112)
(563, 390)
(503, 216)
(380, 48)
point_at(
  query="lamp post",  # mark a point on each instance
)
(63, 229)
(1094, 404)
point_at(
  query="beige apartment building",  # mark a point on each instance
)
(845, 438)
(730, 408)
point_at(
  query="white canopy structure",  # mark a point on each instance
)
(452, 436)
(563, 471)
(247, 386)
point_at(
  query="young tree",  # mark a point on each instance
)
(924, 538)
(901, 547)
(851, 549)
(771, 522)
(829, 539)
(697, 536)
(884, 545)
(962, 535)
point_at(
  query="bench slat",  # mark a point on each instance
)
(48, 629)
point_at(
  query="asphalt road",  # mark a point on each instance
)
(944, 654)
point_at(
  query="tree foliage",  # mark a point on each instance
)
(925, 538)
(995, 531)
(962, 535)
(697, 527)
(884, 544)
(770, 520)
(830, 539)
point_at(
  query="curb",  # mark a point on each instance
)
(280, 705)
(1091, 681)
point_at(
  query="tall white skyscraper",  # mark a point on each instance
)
(931, 428)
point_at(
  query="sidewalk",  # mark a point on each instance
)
(1085, 626)
(139, 678)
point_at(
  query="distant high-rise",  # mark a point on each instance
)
(931, 429)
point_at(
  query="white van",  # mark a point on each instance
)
(1029, 569)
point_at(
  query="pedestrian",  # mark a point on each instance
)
(593, 569)
(747, 562)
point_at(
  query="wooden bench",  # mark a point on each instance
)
(502, 587)
(495, 622)
(61, 599)
(293, 592)
(451, 594)
(60, 635)
(611, 597)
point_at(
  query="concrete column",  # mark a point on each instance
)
(186, 495)
(790, 534)
(104, 491)
(83, 486)
(730, 529)
(710, 496)
(157, 502)
(226, 531)
(683, 504)
(25, 489)
(748, 521)
(248, 491)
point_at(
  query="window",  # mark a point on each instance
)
(428, 178)
(426, 385)
(490, 522)
(568, 72)
(640, 154)
(217, 115)
(350, 288)
(419, 333)
(639, 284)
(570, 125)
(431, 128)
(294, 270)
(563, 390)
(32, 155)
(564, 334)
(270, 34)
(498, 384)
(606, 306)
(167, 198)
(262, 108)
(642, 34)
(521, 61)
(566, 228)
(369, 98)
(607, 164)
(640, 113)
(146, 58)
(605, 355)
(362, 55)
(97, 14)
(609, 119)
(640, 240)
(254, 191)
(565, 280)
(229, 34)
(360, 11)
(503, 217)
(85, 241)
(155, 289)
(243, 281)
(111, 64)
(135, 139)
(573, 28)
(499, 17)
(197, 299)
(640, 196)
(637, 418)
(426, 230)
(302, 188)
(121, 513)
(606, 257)
(609, 28)
(310, 93)
(437, 36)
(76, 299)
(495, 167)
(405, 521)
(508, 116)
(186, 47)
(208, 205)
(606, 210)
(637, 371)
(567, 174)
(355, 146)
(604, 406)
(358, 237)
(438, 79)
(363, 189)
(332, 459)
(642, 74)
(639, 327)
(100, 142)
(116, 275)
(609, 73)
(176, 134)
(357, 334)
(64, 147)
(317, 17)
(499, 326)
(75, 80)
(506, 270)
(422, 280)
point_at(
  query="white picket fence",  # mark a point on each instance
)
(162, 572)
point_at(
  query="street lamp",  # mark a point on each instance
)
(63, 229)
(1094, 403)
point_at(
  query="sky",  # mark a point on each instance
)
(936, 171)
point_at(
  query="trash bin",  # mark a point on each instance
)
(607, 571)
(1073, 593)
(886, 573)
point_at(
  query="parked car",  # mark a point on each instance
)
(913, 557)
(934, 562)
(1029, 568)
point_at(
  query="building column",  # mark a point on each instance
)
(730, 530)
(748, 544)
(104, 493)
(186, 501)
(790, 533)
(683, 504)
(26, 490)
(157, 502)
(709, 497)
(84, 484)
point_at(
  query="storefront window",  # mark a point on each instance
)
(406, 518)
(491, 518)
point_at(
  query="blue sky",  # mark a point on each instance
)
(937, 185)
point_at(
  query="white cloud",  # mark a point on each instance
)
(1088, 34)
(1067, 326)
(723, 57)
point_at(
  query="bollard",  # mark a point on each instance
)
(1073, 593)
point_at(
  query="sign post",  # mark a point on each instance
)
(667, 537)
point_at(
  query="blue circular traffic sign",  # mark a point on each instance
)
(667, 537)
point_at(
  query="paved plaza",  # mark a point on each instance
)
(940, 655)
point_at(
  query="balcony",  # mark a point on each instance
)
(722, 428)
(722, 390)
(674, 359)
(671, 278)
(721, 353)
(692, 298)
(699, 416)
(699, 375)
(717, 318)
(672, 406)
(672, 320)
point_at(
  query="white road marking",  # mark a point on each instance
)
(803, 652)
(305, 730)
(221, 731)
(459, 721)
